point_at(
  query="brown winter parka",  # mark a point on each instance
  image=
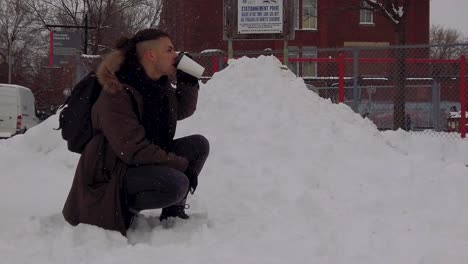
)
(96, 196)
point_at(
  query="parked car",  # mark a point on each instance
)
(17, 110)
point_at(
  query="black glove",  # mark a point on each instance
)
(183, 77)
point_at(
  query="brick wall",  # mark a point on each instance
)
(198, 25)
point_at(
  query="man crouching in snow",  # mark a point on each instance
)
(133, 163)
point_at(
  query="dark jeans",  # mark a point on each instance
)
(154, 186)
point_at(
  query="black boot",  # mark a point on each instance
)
(174, 211)
(130, 215)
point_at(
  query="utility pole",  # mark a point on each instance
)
(10, 63)
(85, 48)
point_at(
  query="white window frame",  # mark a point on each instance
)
(366, 17)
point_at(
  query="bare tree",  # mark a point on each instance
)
(145, 15)
(395, 11)
(449, 43)
(19, 34)
(111, 18)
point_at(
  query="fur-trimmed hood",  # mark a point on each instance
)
(107, 69)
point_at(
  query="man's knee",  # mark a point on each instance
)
(202, 144)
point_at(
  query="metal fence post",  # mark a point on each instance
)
(356, 88)
(10, 61)
(463, 96)
(214, 62)
(436, 105)
(285, 52)
(230, 50)
(221, 61)
(51, 49)
(341, 77)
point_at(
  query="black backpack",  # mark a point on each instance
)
(75, 118)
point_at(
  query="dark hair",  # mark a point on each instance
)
(128, 45)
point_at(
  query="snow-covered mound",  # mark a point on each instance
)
(291, 178)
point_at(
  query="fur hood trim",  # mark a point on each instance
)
(107, 69)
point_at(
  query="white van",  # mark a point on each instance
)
(17, 111)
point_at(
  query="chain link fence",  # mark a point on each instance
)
(417, 88)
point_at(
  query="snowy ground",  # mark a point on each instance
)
(291, 178)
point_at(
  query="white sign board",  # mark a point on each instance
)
(260, 16)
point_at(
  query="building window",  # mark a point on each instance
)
(309, 69)
(303, 69)
(309, 14)
(293, 52)
(306, 14)
(366, 16)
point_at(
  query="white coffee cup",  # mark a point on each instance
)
(187, 65)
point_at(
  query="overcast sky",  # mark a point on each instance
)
(450, 13)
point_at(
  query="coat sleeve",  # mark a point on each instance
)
(187, 97)
(119, 123)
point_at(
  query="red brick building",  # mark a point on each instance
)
(198, 25)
